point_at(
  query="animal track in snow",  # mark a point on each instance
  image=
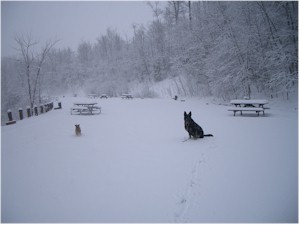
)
(187, 198)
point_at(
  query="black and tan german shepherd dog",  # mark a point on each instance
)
(193, 128)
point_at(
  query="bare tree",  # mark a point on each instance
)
(33, 62)
(190, 13)
(176, 7)
(157, 11)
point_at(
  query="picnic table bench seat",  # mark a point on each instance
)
(247, 109)
(79, 110)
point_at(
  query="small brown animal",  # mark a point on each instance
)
(77, 130)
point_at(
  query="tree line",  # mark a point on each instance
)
(223, 49)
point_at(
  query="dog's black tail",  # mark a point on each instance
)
(208, 135)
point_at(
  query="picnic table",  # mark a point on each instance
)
(85, 108)
(104, 96)
(126, 96)
(248, 105)
(92, 96)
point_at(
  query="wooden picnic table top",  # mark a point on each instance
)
(85, 103)
(246, 109)
(249, 101)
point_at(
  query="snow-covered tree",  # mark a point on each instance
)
(225, 49)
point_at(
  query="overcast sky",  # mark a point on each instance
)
(71, 22)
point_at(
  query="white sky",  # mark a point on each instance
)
(71, 22)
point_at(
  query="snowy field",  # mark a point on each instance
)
(132, 165)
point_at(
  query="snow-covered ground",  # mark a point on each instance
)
(132, 165)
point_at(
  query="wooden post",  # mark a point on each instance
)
(21, 113)
(42, 109)
(9, 113)
(28, 112)
(46, 107)
(36, 110)
(10, 118)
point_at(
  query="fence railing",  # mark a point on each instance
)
(35, 111)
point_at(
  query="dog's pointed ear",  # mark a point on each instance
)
(185, 113)
(190, 114)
